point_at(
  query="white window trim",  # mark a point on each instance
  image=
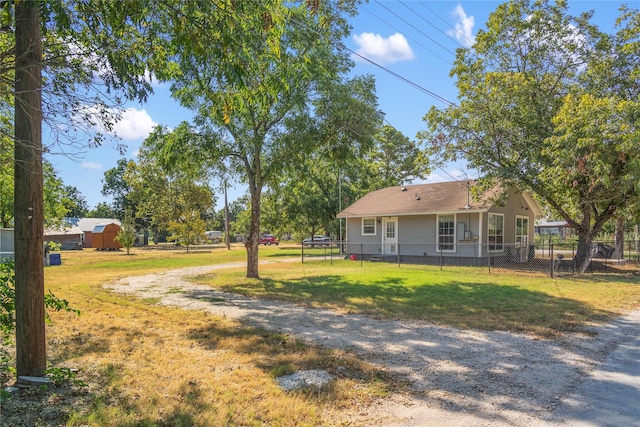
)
(375, 227)
(516, 229)
(455, 224)
(489, 235)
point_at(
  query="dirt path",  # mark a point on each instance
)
(458, 377)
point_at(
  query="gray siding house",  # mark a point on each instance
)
(417, 222)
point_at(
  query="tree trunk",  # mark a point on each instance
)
(28, 193)
(583, 254)
(619, 238)
(253, 240)
(585, 237)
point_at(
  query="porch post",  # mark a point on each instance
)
(480, 234)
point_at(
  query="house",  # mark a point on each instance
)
(415, 223)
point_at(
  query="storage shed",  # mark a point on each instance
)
(68, 237)
(87, 225)
(104, 236)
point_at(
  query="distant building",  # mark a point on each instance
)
(547, 229)
(87, 225)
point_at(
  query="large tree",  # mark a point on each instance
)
(396, 159)
(529, 113)
(115, 186)
(252, 67)
(169, 184)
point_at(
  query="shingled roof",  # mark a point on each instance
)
(441, 197)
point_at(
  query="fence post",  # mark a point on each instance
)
(398, 249)
(330, 253)
(360, 254)
(302, 245)
(440, 259)
(553, 261)
(488, 257)
(573, 258)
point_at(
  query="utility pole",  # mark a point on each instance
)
(28, 193)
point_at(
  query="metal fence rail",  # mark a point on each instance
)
(553, 259)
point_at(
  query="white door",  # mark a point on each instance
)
(390, 236)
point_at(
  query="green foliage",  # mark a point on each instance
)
(7, 300)
(102, 210)
(8, 308)
(53, 246)
(169, 181)
(74, 202)
(62, 375)
(547, 104)
(127, 234)
(270, 69)
(115, 185)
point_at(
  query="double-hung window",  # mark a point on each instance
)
(446, 232)
(496, 232)
(368, 226)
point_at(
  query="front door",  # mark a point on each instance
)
(390, 236)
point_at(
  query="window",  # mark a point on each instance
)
(496, 232)
(368, 226)
(446, 232)
(522, 230)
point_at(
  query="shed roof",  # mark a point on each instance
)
(441, 197)
(88, 224)
(63, 231)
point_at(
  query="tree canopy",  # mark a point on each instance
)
(271, 60)
(547, 103)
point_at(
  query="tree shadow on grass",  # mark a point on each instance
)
(486, 306)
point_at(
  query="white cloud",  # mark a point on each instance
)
(463, 28)
(134, 124)
(91, 165)
(382, 50)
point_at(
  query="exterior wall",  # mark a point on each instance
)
(6, 243)
(417, 234)
(514, 207)
(68, 241)
(88, 239)
(106, 238)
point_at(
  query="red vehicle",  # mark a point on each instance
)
(268, 239)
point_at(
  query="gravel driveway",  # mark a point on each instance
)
(458, 377)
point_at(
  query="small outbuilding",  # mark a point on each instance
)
(87, 225)
(68, 237)
(104, 236)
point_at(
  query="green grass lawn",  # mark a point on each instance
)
(466, 297)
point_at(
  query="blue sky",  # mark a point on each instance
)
(415, 40)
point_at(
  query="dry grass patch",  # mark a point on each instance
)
(154, 365)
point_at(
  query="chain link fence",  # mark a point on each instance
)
(546, 257)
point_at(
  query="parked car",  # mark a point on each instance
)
(317, 241)
(268, 239)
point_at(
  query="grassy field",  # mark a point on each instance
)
(149, 365)
(465, 297)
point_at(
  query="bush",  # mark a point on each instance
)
(8, 309)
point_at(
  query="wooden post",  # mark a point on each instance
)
(28, 193)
